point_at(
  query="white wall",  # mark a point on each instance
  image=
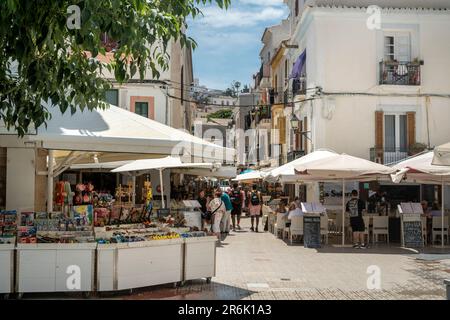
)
(20, 179)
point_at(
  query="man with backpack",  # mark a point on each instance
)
(255, 207)
(236, 200)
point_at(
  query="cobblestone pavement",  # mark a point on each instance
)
(260, 266)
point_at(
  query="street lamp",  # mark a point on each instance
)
(295, 122)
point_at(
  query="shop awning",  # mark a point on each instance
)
(119, 131)
(299, 66)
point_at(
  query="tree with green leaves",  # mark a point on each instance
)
(46, 59)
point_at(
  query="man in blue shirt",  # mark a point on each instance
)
(225, 223)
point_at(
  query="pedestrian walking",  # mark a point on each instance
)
(226, 219)
(217, 212)
(355, 207)
(236, 200)
(255, 207)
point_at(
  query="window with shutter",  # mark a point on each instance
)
(411, 128)
(282, 128)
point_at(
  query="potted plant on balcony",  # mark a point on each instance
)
(416, 148)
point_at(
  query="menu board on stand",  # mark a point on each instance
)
(411, 225)
(311, 224)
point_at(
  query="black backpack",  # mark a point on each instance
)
(236, 197)
(254, 199)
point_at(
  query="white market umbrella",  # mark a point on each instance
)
(421, 170)
(442, 155)
(138, 167)
(342, 167)
(251, 176)
(286, 172)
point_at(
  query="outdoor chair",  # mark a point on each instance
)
(380, 226)
(280, 224)
(367, 227)
(436, 229)
(296, 228)
(324, 227)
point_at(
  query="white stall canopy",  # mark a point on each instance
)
(442, 155)
(138, 167)
(120, 131)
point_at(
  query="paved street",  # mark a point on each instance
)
(259, 266)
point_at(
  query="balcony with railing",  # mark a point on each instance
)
(393, 155)
(400, 73)
(299, 86)
(295, 154)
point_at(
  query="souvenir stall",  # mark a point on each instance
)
(8, 230)
(65, 236)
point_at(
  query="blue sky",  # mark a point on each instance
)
(229, 41)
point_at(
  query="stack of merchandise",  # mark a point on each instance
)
(57, 228)
(26, 232)
(8, 226)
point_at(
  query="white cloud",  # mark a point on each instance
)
(263, 2)
(218, 18)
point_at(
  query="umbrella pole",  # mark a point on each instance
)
(343, 211)
(133, 191)
(162, 188)
(443, 211)
(50, 181)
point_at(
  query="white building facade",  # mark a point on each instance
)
(377, 83)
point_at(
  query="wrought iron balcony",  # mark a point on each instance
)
(299, 86)
(293, 155)
(400, 73)
(390, 155)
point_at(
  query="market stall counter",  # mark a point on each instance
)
(122, 266)
(55, 267)
(6, 268)
(199, 258)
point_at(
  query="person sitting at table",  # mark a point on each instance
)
(294, 211)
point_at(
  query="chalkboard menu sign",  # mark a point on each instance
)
(311, 230)
(412, 234)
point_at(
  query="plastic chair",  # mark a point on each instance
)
(436, 229)
(380, 226)
(366, 220)
(296, 228)
(280, 224)
(324, 227)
